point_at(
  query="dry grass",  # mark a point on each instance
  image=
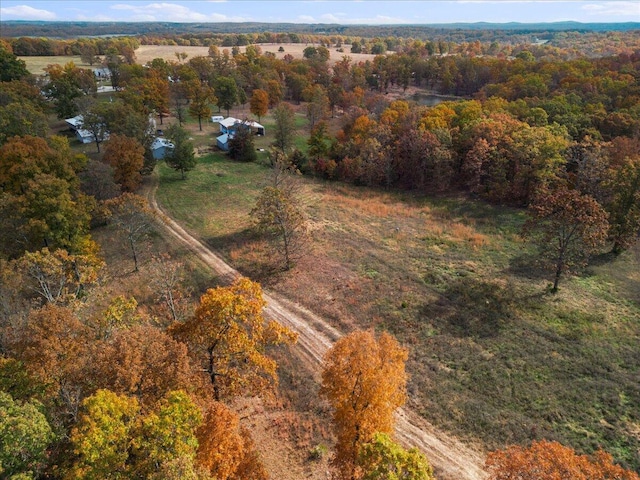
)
(36, 65)
(493, 357)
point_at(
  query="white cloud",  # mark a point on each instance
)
(173, 12)
(25, 12)
(306, 19)
(626, 9)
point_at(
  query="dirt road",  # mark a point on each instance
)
(451, 459)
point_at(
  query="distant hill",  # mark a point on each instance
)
(19, 28)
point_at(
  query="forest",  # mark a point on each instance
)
(477, 253)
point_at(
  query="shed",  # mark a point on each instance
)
(223, 141)
(161, 147)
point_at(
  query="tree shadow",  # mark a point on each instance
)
(472, 308)
(252, 259)
(529, 266)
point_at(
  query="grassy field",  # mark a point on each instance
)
(493, 357)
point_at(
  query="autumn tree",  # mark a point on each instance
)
(259, 103)
(550, 460)
(58, 276)
(181, 157)
(383, 459)
(116, 439)
(278, 214)
(53, 345)
(318, 103)
(133, 216)
(284, 129)
(126, 156)
(225, 449)
(567, 227)
(364, 380)
(144, 362)
(228, 335)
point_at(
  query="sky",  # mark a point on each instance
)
(372, 12)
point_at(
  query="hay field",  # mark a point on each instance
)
(146, 53)
(36, 65)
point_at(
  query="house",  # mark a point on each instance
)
(161, 147)
(229, 126)
(84, 136)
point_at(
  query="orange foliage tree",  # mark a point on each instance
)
(545, 460)
(364, 379)
(228, 336)
(126, 156)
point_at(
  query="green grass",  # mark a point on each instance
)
(493, 356)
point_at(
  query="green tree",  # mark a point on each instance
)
(228, 336)
(226, 91)
(624, 207)
(182, 157)
(241, 146)
(201, 96)
(284, 129)
(94, 123)
(25, 435)
(11, 67)
(567, 227)
(102, 439)
(383, 459)
(168, 434)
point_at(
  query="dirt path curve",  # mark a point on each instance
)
(450, 458)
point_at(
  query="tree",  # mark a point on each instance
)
(182, 157)
(144, 362)
(227, 335)
(284, 129)
(550, 460)
(11, 67)
(624, 208)
(24, 437)
(58, 276)
(167, 434)
(102, 438)
(226, 91)
(126, 156)
(567, 226)
(364, 380)
(318, 103)
(131, 214)
(53, 345)
(201, 96)
(166, 278)
(277, 213)
(383, 459)
(241, 146)
(21, 119)
(259, 103)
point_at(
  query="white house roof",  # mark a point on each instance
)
(75, 122)
(160, 142)
(229, 122)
